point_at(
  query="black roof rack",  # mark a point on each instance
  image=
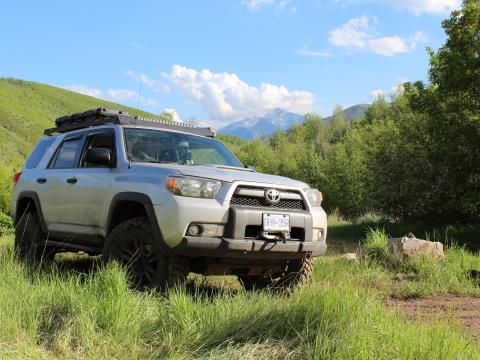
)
(102, 116)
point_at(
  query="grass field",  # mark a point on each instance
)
(77, 308)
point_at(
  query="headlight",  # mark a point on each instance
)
(193, 186)
(314, 197)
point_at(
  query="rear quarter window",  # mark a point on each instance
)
(38, 153)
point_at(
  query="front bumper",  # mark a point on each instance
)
(261, 249)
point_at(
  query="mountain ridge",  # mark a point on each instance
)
(257, 126)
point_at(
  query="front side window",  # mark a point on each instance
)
(67, 156)
(100, 140)
(144, 145)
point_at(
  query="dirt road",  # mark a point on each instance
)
(465, 309)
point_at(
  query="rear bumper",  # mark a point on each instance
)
(231, 248)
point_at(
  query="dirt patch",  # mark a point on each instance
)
(465, 309)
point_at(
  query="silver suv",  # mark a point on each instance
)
(165, 199)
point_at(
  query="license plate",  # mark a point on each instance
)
(276, 222)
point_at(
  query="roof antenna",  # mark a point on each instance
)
(139, 93)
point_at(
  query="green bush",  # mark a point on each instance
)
(6, 224)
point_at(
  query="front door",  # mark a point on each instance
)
(76, 203)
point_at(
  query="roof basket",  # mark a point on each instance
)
(102, 116)
(78, 118)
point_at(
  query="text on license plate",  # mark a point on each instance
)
(276, 222)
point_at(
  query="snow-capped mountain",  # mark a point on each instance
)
(257, 126)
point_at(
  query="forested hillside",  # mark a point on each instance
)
(26, 109)
(415, 157)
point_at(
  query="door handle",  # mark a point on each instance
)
(72, 180)
(41, 180)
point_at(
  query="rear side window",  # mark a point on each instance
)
(37, 154)
(67, 156)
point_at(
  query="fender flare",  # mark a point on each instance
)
(147, 204)
(33, 196)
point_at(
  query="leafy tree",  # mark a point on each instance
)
(450, 106)
(338, 127)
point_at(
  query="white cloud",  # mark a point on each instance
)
(427, 6)
(148, 101)
(305, 50)
(115, 95)
(85, 90)
(417, 38)
(352, 33)
(357, 34)
(395, 90)
(223, 96)
(173, 112)
(255, 5)
(415, 6)
(398, 88)
(388, 45)
(121, 94)
(147, 81)
(375, 94)
(278, 6)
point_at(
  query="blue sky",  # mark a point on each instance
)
(220, 61)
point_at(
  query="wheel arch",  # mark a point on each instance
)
(126, 205)
(25, 201)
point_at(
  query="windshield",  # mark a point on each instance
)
(144, 145)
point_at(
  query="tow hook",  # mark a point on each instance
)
(283, 236)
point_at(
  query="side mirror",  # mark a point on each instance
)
(99, 157)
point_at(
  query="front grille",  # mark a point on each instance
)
(253, 197)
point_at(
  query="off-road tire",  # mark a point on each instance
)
(133, 244)
(30, 240)
(295, 275)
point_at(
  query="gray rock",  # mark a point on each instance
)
(349, 257)
(406, 248)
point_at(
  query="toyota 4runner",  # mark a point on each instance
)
(165, 199)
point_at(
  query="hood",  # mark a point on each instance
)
(230, 174)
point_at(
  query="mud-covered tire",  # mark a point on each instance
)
(30, 240)
(295, 274)
(133, 244)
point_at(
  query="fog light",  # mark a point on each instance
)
(213, 230)
(194, 230)
(206, 230)
(317, 234)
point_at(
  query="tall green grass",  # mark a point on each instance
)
(423, 275)
(65, 311)
(346, 235)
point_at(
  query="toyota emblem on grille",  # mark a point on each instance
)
(272, 196)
